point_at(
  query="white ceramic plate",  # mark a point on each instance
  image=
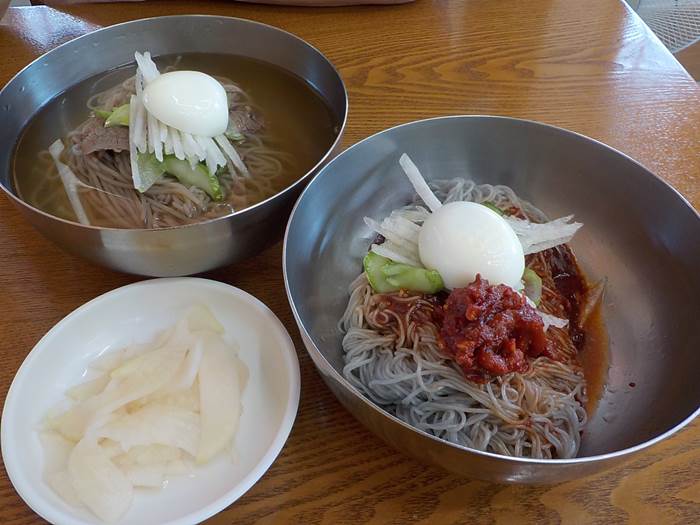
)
(135, 313)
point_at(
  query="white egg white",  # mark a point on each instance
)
(463, 239)
(189, 101)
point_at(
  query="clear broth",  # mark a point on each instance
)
(296, 117)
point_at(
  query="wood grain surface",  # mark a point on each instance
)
(591, 66)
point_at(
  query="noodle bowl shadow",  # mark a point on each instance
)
(179, 250)
(635, 227)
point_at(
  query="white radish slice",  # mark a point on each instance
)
(155, 145)
(56, 450)
(133, 159)
(551, 320)
(155, 424)
(99, 484)
(138, 125)
(60, 483)
(145, 476)
(536, 237)
(419, 184)
(108, 361)
(177, 143)
(185, 399)
(397, 253)
(146, 66)
(188, 370)
(111, 448)
(410, 242)
(179, 467)
(138, 349)
(85, 390)
(231, 153)
(134, 379)
(214, 157)
(70, 182)
(219, 396)
(200, 317)
(152, 454)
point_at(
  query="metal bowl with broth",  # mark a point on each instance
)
(637, 235)
(302, 100)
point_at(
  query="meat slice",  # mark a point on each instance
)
(246, 121)
(95, 137)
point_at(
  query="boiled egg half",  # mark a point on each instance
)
(189, 101)
(462, 239)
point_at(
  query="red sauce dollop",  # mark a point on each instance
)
(491, 330)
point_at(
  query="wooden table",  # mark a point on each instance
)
(591, 66)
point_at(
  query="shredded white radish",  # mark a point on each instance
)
(232, 154)
(419, 184)
(155, 145)
(551, 320)
(177, 144)
(214, 158)
(396, 253)
(155, 410)
(70, 182)
(193, 150)
(409, 242)
(536, 237)
(163, 132)
(146, 66)
(140, 133)
(133, 158)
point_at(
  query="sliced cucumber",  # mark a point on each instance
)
(385, 275)
(373, 268)
(533, 286)
(198, 176)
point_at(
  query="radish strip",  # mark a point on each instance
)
(231, 152)
(419, 184)
(177, 143)
(133, 159)
(70, 182)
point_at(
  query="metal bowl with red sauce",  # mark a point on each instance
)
(637, 235)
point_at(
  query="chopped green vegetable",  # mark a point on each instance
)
(412, 278)
(385, 275)
(198, 176)
(373, 268)
(533, 286)
(491, 206)
(102, 113)
(150, 168)
(118, 117)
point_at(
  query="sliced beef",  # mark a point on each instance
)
(246, 120)
(95, 137)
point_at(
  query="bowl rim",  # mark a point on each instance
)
(305, 178)
(312, 347)
(49, 512)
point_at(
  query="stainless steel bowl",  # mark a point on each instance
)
(174, 251)
(638, 232)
